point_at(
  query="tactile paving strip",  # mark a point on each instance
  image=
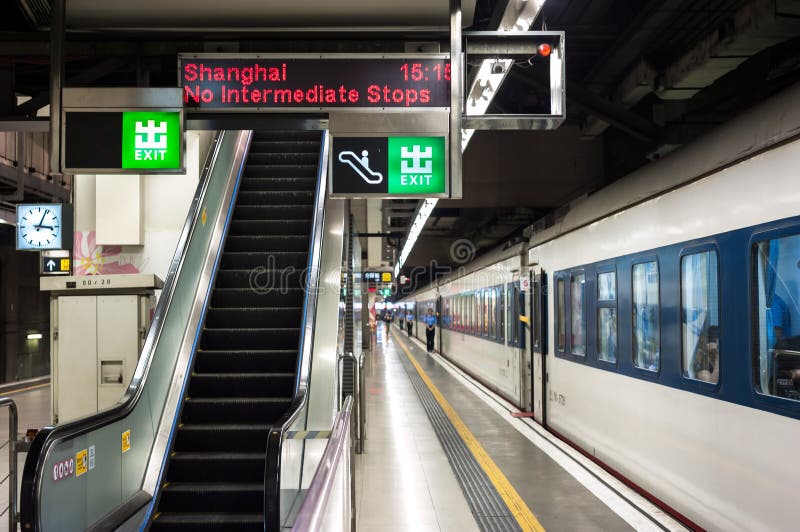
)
(488, 507)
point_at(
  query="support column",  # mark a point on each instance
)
(456, 99)
(57, 46)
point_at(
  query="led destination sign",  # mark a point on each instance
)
(211, 82)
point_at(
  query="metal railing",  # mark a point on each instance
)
(332, 482)
(11, 478)
(360, 417)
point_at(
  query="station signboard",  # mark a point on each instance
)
(389, 167)
(264, 82)
(122, 130)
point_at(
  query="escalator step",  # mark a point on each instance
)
(280, 170)
(277, 338)
(261, 278)
(221, 438)
(233, 260)
(267, 243)
(234, 410)
(270, 227)
(212, 497)
(208, 522)
(284, 146)
(276, 197)
(227, 385)
(273, 212)
(278, 183)
(263, 361)
(216, 467)
(283, 158)
(254, 317)
(296, 135)
(267, 293)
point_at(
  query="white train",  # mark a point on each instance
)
(663, 334)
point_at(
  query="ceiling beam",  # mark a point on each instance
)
(612, 113)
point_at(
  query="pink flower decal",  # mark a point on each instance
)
(90, 259)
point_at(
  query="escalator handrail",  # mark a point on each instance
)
(272, 473)
(51, 435)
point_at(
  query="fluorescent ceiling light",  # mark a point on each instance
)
(519, 16)
(35, 336)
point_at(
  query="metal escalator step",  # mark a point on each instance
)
(259, 410)
(293, 135)
(254, 317)
(283, 158)
(260, 278)
(212, 497)
(270, 227)
(279, 183)
(242, 259)
(284, 146)
(280, 170)
(248, 438)
(272, 212)
(216, 467)
(275, 197)
(268, 293)
(227, 385)
(267, 243)
(208, 522)
(244, 361)
(261, 338)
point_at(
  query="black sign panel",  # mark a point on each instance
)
(94, 140)
(55, 265)
(240, 82)
(360, 166)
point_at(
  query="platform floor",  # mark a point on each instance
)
(33, 409)
(405, 481)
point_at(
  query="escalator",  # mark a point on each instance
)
(244, 371)
(224, 373)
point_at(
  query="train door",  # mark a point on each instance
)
(538, 302)
(516, 319)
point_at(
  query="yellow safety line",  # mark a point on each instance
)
(27, 389)
(518, 508)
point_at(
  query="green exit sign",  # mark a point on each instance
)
(151, 140)
(416, 165)
(389, 166)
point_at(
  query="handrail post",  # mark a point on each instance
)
(362, 404)
(12, 462)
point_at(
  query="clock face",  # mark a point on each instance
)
(39, 226)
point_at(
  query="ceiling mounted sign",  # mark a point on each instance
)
(314, 82)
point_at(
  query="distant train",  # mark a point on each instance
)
(660, 333)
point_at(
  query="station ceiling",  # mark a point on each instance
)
(643, 78)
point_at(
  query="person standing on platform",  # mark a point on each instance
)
(409, 322)
(430, 328)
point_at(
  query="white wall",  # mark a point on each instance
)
(166, 203)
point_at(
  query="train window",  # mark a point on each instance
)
(646, 320)
(607, 316)
(700, 316)
(577, 315)
(560, 311)
(776, 296)
(484, 312)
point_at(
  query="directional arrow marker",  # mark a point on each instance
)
(51, 265)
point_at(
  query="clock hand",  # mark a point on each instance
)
(39, 225)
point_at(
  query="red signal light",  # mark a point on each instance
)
(545, 50)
